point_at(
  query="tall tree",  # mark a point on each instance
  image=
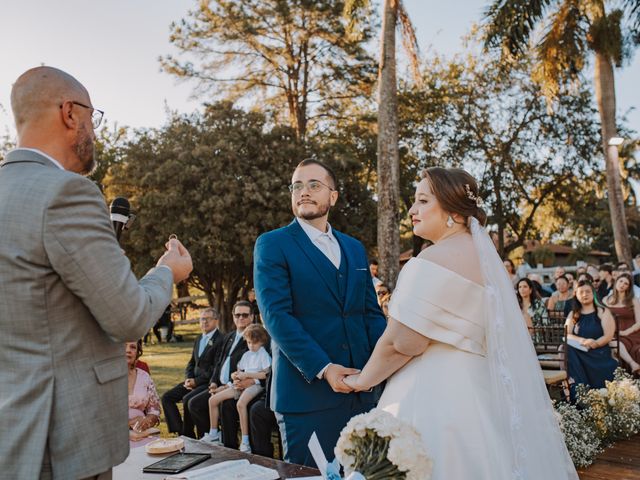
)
(295, 53)
(217, 181)
(394, 15)
(468, 114)
(575, 28)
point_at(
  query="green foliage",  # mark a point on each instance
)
(572, 28)
(217, 181)
(109, 143)
(469, 114)
(295, 54)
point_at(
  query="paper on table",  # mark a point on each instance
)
(318, 454)
(229, 470)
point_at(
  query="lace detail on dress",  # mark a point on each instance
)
(524, 412)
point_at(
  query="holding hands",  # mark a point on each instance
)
(335, 376)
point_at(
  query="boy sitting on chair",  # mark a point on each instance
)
(255, 364)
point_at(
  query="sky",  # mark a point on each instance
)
(113, 46)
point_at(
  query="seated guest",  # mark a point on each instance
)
(206, 350)
(606, 280)
(621, 268)
(384, 304)
(593, 327)
(537, 283)
(511, 270)
(233, 347)
(163, 322)
(557, 273)
(262, 422)
(373, 269)
(144, 404)
(381, 290)
(143, 366)
(562, 298)
(533, 310)
(254, 364)
(251, 297)
(626, 308)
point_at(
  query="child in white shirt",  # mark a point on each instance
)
(255, 363)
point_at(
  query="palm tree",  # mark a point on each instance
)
(394, 16)
(573, 29)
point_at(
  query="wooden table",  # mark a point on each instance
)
(131, 469)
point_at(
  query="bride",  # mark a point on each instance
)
(459, 361)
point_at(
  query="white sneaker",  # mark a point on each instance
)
(212, 440)
(245, 448)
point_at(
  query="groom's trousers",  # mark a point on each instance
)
(296, 429)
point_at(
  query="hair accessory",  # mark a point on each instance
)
(471, 196)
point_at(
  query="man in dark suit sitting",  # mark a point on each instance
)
(206, 350)
(262, 420)
(233, 348)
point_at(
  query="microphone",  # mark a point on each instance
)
(120, 213)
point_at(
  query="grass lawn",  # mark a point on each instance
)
(167, 362)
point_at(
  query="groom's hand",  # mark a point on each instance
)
(334, 375)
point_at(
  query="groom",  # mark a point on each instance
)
(317, 300)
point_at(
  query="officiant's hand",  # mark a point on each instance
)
(335, 374)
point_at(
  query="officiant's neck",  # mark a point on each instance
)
(319, 223)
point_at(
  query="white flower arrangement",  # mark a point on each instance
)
(602, 417)
(579, 436)
(615, 409)
(379, 446)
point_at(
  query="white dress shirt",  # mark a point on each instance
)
(204, 340)
(325, 241)
(225, 372)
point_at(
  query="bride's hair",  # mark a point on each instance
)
(456, 191)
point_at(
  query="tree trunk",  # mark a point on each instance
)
(388, 162)
(606, 98)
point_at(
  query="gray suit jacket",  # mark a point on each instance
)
(68, 301)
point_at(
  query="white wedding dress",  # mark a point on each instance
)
(476, 394)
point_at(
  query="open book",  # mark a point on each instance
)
(230, 470)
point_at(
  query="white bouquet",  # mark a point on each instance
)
(376, 445)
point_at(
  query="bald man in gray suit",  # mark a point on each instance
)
(68, 298)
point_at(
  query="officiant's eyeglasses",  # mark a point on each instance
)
(96, 115)
(312, 185)
(241, 315)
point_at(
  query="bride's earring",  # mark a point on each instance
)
(450, 222)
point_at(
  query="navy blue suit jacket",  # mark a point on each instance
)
(310, 323)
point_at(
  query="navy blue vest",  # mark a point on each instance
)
(341, 275)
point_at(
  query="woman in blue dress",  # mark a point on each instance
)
(591, 326)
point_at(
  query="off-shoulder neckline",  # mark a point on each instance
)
(449, 271)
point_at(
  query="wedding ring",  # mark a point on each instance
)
(173, 236)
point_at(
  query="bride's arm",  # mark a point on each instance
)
(394, 349)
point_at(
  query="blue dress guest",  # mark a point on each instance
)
(316, 297)
(593, 327)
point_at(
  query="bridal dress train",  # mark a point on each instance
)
(476, 394)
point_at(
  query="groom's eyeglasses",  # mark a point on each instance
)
(241, 315)
(312, 185)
